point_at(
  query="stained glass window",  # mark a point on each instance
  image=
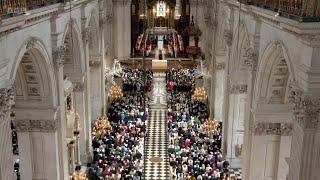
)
(161, 9)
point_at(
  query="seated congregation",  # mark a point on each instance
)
(118, 152)
(194, 148)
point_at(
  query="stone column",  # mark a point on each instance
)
(6, 154)
(251, 65)
(58, 60)
(38, 148)
(96, 86)
(237, 101)
(304, 160)
(269, 149)
(219, 91)
(80, 103)
(86, 151)
(122, 28)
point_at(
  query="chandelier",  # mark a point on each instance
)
(78, 176)
(115, 93)
(101, 126)
(200, 95)
(210, 126)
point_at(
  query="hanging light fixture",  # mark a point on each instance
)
(210, 127)
(101, 127)
(78, 175)
(200, 95)
(115, 93)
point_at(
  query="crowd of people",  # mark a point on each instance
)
(181, 79)
(193, 152)
(133, 79)
(119, 153)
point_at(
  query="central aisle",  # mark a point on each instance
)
(156, 145)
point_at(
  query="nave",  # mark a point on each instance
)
(160, 129)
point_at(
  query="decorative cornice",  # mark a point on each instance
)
(58, 56)
(239, 89)
(6, 101)
(306, 109)
(47, 126)
(266, 128)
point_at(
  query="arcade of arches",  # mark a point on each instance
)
(159, 89)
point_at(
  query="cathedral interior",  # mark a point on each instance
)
(159, 90)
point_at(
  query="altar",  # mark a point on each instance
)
(159, 65)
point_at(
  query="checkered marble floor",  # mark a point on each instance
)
(157, 136)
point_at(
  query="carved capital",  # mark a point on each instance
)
(78, 86)
(58, 56)
(31, 43)
(250, 58)
(239, 89)
(6, 101)
(95, 60)
(306, 109)
(47, 126)
(106, 20)
(265, 128)
(220, 66)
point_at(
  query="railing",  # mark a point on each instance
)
(301, 10)
(9, 8)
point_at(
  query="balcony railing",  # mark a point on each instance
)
(300, 10)
(9, 8)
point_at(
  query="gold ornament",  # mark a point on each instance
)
(115, 93)
(200, 95)
(210, 126)
(101, 127)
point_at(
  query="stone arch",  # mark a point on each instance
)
(35, 113)
(33, 70)
(274, 74)
(74, 61)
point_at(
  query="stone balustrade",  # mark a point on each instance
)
(10, 8)
(300, 10)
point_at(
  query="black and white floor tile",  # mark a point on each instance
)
(157, 136)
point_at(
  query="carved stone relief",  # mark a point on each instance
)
(239, 89)
(48, 126)
(58, 54)
(6, 101)
(31, 43)
(306, 109)
(265, 128)
(78, 86)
